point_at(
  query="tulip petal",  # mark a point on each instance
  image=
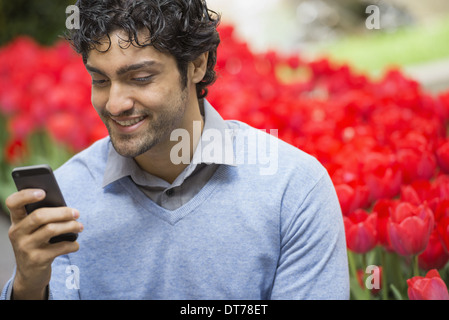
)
(435, 289)
(415, 235)
(361, 239)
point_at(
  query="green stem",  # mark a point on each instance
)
(352, 266)
(364, 262)
(415, 266)
(398, 276)
(364, 266)
(384, 275)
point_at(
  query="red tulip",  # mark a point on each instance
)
(409, 228)
(384, 182)
(443, 156)
(406, 139)
(382, 174)
(15, 151)
(434, 257)
(443, 105)
(383, 208)
(417, 192)
(442, 226)
(416, 164)
(361, 232)
(352, 197)
(65, 128)
(441, 187)
(430, 287)
(420, 191)
(21, 126)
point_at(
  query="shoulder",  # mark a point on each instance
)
(286, 176)
(85, 167)
(274, 157)
(284, 171)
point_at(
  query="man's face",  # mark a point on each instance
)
(138, 94)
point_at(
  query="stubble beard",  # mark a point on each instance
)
(159, 127)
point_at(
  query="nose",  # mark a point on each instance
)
(119, 100)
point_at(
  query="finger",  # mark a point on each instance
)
(17, 201)
(43, 235)
(61, 248)
(44, 216)
(45, 254)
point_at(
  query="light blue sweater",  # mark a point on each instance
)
(243, 236)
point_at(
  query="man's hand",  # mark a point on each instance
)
(30, 235)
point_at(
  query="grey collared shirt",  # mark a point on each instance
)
(192, 179)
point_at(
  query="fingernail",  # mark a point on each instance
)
(75, 214)
(81, 227)
(39, 194)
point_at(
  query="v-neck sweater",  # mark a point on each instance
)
(245, 235)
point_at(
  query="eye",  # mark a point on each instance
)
(143, 79)
(99, 83)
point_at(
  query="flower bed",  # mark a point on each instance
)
(384, 143)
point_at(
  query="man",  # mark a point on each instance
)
(160, 217)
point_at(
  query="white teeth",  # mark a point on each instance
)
(129, 123)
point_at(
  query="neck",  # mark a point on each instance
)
(158, 162)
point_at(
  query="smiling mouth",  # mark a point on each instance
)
(129, 122)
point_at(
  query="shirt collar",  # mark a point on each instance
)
(216, 137)
(216, 143)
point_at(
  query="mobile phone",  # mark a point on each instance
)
(42, 177)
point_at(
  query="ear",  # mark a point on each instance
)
(198, 71)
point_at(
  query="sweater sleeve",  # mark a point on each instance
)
(313, 259)
(7, 289)
(64, 283)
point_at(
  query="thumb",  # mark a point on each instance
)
(17, 201)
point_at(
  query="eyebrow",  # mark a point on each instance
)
(125, 69)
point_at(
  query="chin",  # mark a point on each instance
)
(131, 149)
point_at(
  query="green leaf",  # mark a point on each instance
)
(396, 292)
(357, 292)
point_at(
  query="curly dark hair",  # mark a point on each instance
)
(183, 28)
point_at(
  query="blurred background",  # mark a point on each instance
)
(412, 35)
